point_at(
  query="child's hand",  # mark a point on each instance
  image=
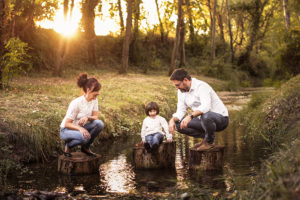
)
(169, 140)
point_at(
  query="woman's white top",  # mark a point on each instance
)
(155, 125)
(80, 108)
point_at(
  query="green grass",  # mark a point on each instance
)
(32, 109)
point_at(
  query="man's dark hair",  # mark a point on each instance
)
(179, 75)
(151, 106)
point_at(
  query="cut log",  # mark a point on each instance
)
(211, 159)
(164, 158)
(78, 164)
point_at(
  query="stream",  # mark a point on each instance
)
(118, 178)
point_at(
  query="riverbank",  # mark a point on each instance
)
(274, 121)
(31, 110)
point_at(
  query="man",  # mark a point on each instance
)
(209, 114)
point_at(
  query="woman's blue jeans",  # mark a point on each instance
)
(205, 127)
(75, 137)
(154, 139)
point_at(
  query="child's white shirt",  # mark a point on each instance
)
(155, 125)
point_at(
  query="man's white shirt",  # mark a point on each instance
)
(200, 97)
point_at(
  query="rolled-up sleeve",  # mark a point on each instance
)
(181, 106)
(72, 111)
(205, 98)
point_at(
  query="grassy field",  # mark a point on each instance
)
(32, 109)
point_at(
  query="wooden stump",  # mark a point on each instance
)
(211, 159)
(164, 158)
(78, 164)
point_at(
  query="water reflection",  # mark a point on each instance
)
(117, 174)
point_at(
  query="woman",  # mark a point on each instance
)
(81, 124)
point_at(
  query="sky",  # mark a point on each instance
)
(104, 25)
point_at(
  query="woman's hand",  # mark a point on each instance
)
(83, 121)
(85, 133)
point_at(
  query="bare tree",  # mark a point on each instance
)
(126, 42)
(121, 17)
(177, 38)
(230, 30)
(213, 32)
(161, 27)
(88, 22)
(286, 14)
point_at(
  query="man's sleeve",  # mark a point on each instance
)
(205, 98)
(181, 107)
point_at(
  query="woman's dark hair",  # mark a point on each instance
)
(179, 75)
(84, 82)
(151, 106)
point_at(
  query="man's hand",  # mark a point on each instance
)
(184, 123)
(172, 126)
(83, 121)
(169, 140)
(85, 133)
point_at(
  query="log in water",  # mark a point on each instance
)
(78, 164)
(211, 159)
(164, 158)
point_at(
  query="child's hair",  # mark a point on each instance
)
(151, 106)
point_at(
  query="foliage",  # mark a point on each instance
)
(269, 118)
(15, 60)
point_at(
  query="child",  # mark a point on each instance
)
(152, 134)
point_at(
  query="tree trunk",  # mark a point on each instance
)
(66, 10)
(191, 25)
(221, 27)
(213, 32)
(164, 158)
(78, 164)
(286, 14)
(177, 39)
(230, 31)
(209, 160)
(181, 43)
(88, 19)
(121, 17)
(161, 27)
(4, 8)
(136, 18)
(126, 42)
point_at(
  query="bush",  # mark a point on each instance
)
(15, 60)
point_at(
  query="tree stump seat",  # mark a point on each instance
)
(206, 160)
(164, 158)
(78, 164)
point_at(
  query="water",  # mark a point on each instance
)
(117, 175)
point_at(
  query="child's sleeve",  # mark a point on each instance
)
(143, 131)
(164, 124)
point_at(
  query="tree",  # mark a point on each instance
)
(191, 25)
(4, 9)
(286, 14)
(213, 32)
(230, 30)
(177, 38)
(121, 17)
(88, 23)
(161, 27)
(126, 42)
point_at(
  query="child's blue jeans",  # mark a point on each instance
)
(75, 137)
(154, 139)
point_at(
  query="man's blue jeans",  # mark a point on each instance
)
(75, 137)
(154, 139)
(205, 127)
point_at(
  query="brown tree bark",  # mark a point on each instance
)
(286, 14)
(213, 32)
(220, 23)
(230, 30)
(191, 24)
(181, 43)
(161, 27)
(88, 19)
(126, 42)
(121, 17)
(177, 39)
(136, 17)
(4, 6)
